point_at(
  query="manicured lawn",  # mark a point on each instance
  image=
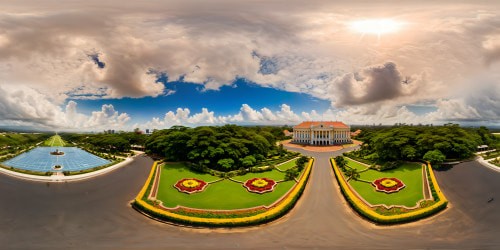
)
(287, 165)
(274, 174)
(409, 173)
(55, 141)
(356, 165)
(225, 194)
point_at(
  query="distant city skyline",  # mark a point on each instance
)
(95, 66)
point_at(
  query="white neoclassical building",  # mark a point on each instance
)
(322, 133)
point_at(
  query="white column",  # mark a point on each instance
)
(329, 136)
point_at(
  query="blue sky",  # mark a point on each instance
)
(225, 101)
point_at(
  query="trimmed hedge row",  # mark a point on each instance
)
(273, 213)
(367, 212)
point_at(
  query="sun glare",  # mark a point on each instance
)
(375, 26)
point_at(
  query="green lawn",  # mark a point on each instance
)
(409, 173)
(54, 141)
(274, 174)
(288, 165)
(225, 194)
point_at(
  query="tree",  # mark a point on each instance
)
(341, 162)
(434, 157)
(248, 161)
(226, 163)
(409, 152)
(291, 174)
(301, 163)
(352, 173)
(207, 146)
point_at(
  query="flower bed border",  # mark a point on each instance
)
(203, 185)
(252, 189)
(280, 209)
(381, 188)
(364, 210)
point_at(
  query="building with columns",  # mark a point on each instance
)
(322, 133)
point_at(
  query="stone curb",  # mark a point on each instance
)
(485, 163)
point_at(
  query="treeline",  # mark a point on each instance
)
(15, 139)
(111, 143)
(224, 148)
(432, 143)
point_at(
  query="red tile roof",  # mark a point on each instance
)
(308, 124)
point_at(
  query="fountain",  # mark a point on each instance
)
(57, 152)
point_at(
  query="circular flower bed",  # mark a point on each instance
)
(388, 185)
(260, 185)
(190, 185)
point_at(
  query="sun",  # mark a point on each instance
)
(376, 26)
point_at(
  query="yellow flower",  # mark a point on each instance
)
(259, 183)
(190, 183)
(388, 183)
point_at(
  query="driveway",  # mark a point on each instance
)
(95, 213)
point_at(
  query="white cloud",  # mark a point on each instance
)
(25, 106)
(249, 114)
(45, 48)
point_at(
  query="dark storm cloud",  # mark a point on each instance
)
(372, 84)
(95, 58)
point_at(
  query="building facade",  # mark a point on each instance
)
(322, 133)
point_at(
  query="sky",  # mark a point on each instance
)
(94, 65)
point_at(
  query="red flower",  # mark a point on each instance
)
(190, 185)
(260, 185)
(388, 185)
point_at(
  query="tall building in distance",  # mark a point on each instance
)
(322, 133)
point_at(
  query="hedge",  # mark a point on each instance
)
(367, 212)
(273, 213)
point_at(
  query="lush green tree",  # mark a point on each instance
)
(341, 162)
(301, 163)
(291, 174)
(206, 146)
(402, 142)
(435, 157)
(226, 163)
(352, 174)
(248, 161)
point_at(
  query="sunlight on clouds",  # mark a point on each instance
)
(376, 26)
(313, 49)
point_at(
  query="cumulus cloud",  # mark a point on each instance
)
(246, 115)
(372, 84)
(103, 49)
(28, 107)
(491, 46)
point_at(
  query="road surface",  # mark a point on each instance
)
(95, 213)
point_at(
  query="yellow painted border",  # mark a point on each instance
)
(281, 208)
(365, 210)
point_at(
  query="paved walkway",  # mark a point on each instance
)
(312, 148)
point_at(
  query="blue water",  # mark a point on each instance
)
(40, 159)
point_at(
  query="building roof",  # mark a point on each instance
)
(335, 124)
